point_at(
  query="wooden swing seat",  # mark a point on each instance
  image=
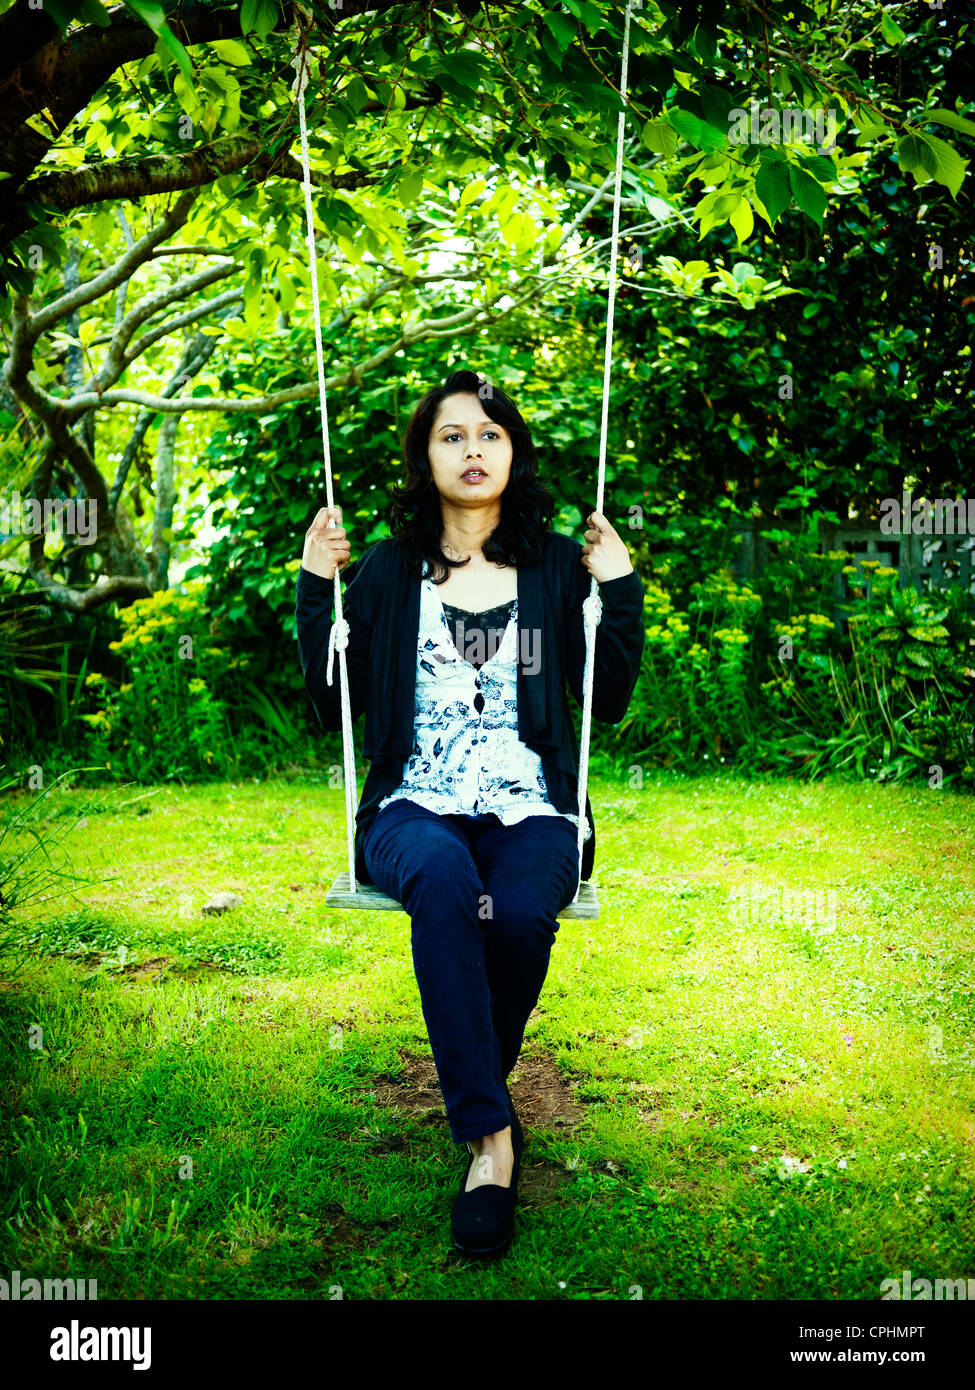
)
(368, 898)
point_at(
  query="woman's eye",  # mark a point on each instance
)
(457, 436)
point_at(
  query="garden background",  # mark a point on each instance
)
(792, 350)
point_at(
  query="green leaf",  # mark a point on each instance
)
(356, 94)
(150, 12)
(258, 16)
(808, 194)
(217, 82)
(231, 51)
(891, 30)
(587, 12)
(715, 209)
(660, 137)
(168, 44)
(286, 286)
(660, 209)
(580, 141)
(942, 117)
(949, 166)
(773, 187)
(561, 28)
(472, 191)
(743, 221)
(153, 14)
(87, 12)
(697, 132)
(460, 70)
(518, 231)
(820, 167)
(869, 131)
(916, 157)
(409, 186)
(186, 94)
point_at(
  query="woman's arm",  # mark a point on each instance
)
(313, 611)
(620, 634)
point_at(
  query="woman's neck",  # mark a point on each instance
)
(463, 552)
(465, 534)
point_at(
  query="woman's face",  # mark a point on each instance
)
(470, 454)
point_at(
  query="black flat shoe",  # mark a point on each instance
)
(483, 1220)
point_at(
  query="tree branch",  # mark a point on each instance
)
(170, 173)
(117, 358)
(119, 588)
(49, 410)
(122, 270)
(123, 289)
(204, 346)
(41, 71)
(201, 311)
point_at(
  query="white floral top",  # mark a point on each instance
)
(467, 758)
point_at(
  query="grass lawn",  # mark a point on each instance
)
(723, 1097)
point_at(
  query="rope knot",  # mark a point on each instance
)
(300, 64)
(338, 640)
(592, 612)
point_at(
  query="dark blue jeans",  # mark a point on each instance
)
(482, 898)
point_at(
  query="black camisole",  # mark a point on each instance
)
(477, 636)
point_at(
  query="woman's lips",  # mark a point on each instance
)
(476, 476)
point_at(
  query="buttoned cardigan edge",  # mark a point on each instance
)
(381, 602)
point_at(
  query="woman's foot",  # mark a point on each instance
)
(482, 1221)
(494, 1160)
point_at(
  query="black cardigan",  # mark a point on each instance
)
(381, 603)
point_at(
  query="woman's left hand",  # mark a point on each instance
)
(604, 555)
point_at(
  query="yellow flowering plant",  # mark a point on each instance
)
(777, 673)
(168, 716)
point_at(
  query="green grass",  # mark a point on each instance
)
(771, 1109)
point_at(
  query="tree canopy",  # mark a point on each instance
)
(157, 273)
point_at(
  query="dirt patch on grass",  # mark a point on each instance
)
(338, 1235)
(543, 1097)
(540, 1184)
(344, 1232)
(200, 968)
(147, 969)
(416, 1089)
(652, 1120)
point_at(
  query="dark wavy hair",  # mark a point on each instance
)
(527, 507)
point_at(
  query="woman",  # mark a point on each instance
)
(464, 629)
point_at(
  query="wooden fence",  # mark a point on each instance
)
(929, 563)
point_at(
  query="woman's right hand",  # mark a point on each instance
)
(326, 547)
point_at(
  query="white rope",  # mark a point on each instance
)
(592, 607)
(339, 637)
